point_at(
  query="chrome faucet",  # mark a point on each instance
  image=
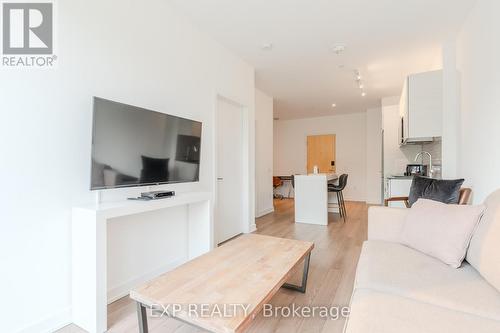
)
(430, 172)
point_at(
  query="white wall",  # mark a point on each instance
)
(275, 147)
(478, 52)
(451, 112)
(159, 62)
(350, 131)
(263, 153)
(395, 157)
(374, 156)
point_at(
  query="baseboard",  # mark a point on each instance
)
(253, 227)
(51, 323)
(333, 209)
(122, 290)
(63, 317)
(264, 212)
(374, 200)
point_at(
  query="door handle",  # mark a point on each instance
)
(220, 178)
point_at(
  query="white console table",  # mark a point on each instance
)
(89, 267)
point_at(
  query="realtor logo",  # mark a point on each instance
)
(28, 34)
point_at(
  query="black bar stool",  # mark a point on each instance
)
(340, 197)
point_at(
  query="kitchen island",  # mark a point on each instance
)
(311, 198)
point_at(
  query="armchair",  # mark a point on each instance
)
(463, 198)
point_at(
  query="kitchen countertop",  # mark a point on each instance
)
(399, 177)
(405, 177)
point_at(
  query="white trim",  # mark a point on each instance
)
(264, 212)
(50, 323)
(122, 290)
(333, 209)
(252, 228)
(248, 218)
(372, 202)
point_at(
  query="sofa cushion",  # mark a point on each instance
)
(442, 190)
(440, 230)
(376, 312)
(386, 223)
(484, 249)
(399, 270)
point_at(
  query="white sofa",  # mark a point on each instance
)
(398, 289)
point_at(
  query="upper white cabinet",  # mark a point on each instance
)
(421, 107)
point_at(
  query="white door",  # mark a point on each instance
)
(229, 205)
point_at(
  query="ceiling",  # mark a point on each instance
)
(384, 39)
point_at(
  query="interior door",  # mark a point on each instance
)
(321, 152)
(229, 204)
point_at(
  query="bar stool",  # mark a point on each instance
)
(340, 197)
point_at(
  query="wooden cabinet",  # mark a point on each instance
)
(421, 107)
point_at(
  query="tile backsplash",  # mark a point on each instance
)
(434, 148)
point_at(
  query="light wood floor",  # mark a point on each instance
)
(331, 275)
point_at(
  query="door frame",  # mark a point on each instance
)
(247, 224)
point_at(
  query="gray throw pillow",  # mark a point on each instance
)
(446, 191)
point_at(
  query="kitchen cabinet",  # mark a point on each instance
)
(421, 108)
(397, 187)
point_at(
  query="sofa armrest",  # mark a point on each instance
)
(386, 223)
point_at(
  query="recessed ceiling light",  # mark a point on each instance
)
(267, 46)
(361, 86)
(334, 105)
(338, 48)
(363, 94)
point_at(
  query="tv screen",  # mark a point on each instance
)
(132, 146)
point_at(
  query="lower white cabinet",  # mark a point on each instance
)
(397, 187)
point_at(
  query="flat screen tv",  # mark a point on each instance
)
(132, 146)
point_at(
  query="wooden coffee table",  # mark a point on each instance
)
(241, 275)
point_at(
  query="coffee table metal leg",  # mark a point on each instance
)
(302, 287)
(143, 319)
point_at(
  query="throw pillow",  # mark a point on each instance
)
(441, 190)
(441, 230)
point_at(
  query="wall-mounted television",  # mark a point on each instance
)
(133, 146)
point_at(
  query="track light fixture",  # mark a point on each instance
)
(358, 78)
